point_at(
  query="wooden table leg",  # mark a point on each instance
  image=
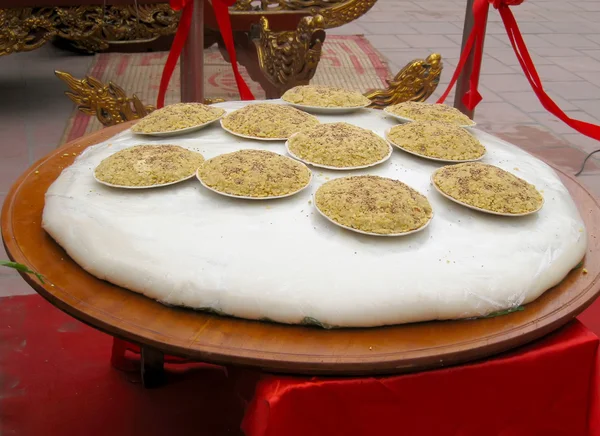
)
(192, 58)
(152, 367)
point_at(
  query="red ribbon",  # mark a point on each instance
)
(221, 8)
(475, 41)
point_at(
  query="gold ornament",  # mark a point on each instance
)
(415, 82)
(91, 28)
(290, 58)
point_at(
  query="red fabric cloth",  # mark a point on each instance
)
(548, 388)
(475, 42)
(221, 8)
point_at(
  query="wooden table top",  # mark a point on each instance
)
(268, 346)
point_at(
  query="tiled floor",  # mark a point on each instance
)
(563, 37)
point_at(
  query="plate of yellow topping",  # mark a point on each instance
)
(338, 146)
(373, 205)
(419, 111)
(254, 175)
(437, 141)
(177, 119)
(148, 166)
(267, 122)
(325, 99)
(487, 188)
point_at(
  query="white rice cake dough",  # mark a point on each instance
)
(184, 245)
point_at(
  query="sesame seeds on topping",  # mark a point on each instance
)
(435, 139)
(418, 111)
(325, 96)
(265, 120)
(489, 188)
(148, 165)
(339, 145)
(254, 173)
(373, 204)
(176, 117)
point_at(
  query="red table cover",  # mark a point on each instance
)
(547, 388)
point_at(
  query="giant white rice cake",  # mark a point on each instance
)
(185, 247)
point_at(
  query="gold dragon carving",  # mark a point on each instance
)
(90, 27)
(290, 58)
(416, 82)
(108, 102)
(23, 30)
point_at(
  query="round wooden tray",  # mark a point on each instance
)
(275, 347)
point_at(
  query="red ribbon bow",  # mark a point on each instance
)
(221, 8)
(475, 41)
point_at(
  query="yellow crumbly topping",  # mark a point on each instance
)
(436, 139)
(177, 116)
(373, 204)
(148, 165)
(254, 173)
(418, 111)
(339, 145)
(488, 187)
(266, 120)
(325, 96)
